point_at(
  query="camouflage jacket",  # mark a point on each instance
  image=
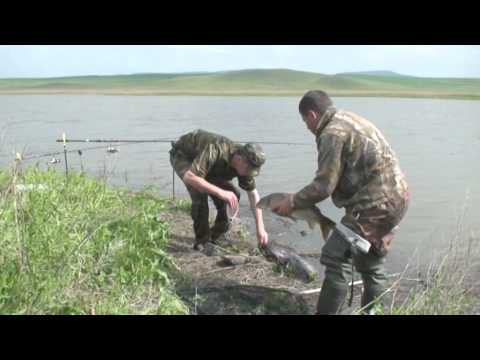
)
(356, 165)
(210, 156)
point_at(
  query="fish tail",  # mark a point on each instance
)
(326, 226)
(311, 224)
(325, 231)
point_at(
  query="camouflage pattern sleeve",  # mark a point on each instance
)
(246, 183)
(330, 165)
(202, 164)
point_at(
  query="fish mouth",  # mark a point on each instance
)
(261, 206)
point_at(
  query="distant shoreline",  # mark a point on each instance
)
(286, 93)
(254, 82)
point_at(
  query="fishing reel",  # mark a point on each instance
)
(54, 161)
(112, 150)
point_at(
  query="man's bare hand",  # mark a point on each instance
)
(262, 237)
(231, 199)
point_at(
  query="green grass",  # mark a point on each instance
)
(448, 285)
(446, 288)
(184, 205)
(251, 82)
(79, 245)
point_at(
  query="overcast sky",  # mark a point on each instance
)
(69, 60)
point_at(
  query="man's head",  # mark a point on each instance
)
(312, 106)
(249, 159)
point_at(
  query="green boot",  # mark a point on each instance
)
(332, 298)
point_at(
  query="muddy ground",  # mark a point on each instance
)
(208, 285)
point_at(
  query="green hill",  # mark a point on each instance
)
(373, 73)
(250, 82)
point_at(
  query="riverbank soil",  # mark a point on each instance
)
(232, 277)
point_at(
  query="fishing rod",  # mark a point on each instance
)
(64, 138)
(170, 140)
(38, 156)
(114, 141)
(127, 142)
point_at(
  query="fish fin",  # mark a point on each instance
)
(326, 230)
(311, 224)
(326, 225)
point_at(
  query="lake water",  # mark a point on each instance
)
(437, 142)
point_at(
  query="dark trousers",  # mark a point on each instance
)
(376, 225)
(337, 257)
(199, 212)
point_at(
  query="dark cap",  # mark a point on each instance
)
(254, 155)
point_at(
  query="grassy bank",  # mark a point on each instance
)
(448, 285)
(79, 247)
(262, 82)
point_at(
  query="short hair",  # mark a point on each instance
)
(315, 100)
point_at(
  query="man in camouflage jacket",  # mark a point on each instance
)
(206, 163)
(360, 171)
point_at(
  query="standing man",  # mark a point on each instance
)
(206, 163)
(359, 170)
